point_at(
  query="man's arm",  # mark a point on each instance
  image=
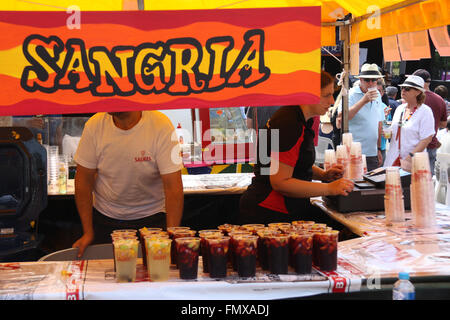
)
(174, 196)
(84, 186)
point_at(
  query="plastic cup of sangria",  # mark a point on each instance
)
(218, 256)
(231, 252)
(278, 253)
(178, 233)
(188, 249)
(245, 247)
(126, 252)
(325, 250)
(301, 247)
(204, 234)
(263, 255)
(158, 257)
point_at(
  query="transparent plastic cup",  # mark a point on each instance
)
(218, 256)
(325, 250)
(262, 251)
(126, 251)
(278, 253)
(178, 233)
(188, 249)
(245, 247)
(347, 139)
(158, 257)
(393, 198)
(342, 158)
(204, 235)
(356, 165)
(329, 159)
(142, 233)
(300, 245)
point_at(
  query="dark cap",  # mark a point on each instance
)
(424, 74)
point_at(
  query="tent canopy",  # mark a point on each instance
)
(370, 18)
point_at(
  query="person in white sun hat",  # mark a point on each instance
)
(366, 114)
(412, 125)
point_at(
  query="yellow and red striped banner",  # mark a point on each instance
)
(137, 60)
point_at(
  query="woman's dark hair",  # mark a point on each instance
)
(442, 91)
(325, 79)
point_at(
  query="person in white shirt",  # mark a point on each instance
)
(128, 175)
(412, 125)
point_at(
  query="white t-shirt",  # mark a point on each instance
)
(129, 163)
(417, 128)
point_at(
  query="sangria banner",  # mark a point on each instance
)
(90, 61)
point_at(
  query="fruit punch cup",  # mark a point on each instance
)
(178, 233)
(278, 253)
(204, 245)
(187, 256)
(142, 233)
(158, 258)
(262, 255)
(218, 256)
(126, 252)
(325, 250)
(300, 245)
(232, 253)
(245, 254)
(121, 234)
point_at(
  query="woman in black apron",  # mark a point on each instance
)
(284, 194)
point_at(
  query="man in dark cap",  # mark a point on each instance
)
(437, 105)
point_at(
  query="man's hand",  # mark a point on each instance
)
(83, 243)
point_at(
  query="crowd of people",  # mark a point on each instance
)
(412, 114)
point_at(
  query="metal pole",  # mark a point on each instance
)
(345, 34)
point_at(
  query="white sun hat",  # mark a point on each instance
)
(415, 82)
(370, 71)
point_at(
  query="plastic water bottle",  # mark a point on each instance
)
(403, 288)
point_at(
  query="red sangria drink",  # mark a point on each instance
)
(218, 256)
(178, 233)
(301, 246)
(325, 248)
(245, 254)
(203, 234)
(278, 253)
(142, 233)
(231, 252)
(188, 249)
(263, 255)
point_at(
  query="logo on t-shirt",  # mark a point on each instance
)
(144, 156)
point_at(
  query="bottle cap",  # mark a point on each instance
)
(403, 276)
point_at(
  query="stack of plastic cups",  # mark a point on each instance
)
(356, 164)
(422, 192)
(347, 140)
(342, 159)
(364, 163)
(393, 198)
(329, 160)
(52, 165)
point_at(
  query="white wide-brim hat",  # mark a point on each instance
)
(415, 82)
(369, 71)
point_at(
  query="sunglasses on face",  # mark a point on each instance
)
(406, 88)
(369, 80)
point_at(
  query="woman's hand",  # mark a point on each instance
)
(334, 173)
(340, 187)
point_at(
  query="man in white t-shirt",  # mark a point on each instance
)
(128, 175)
